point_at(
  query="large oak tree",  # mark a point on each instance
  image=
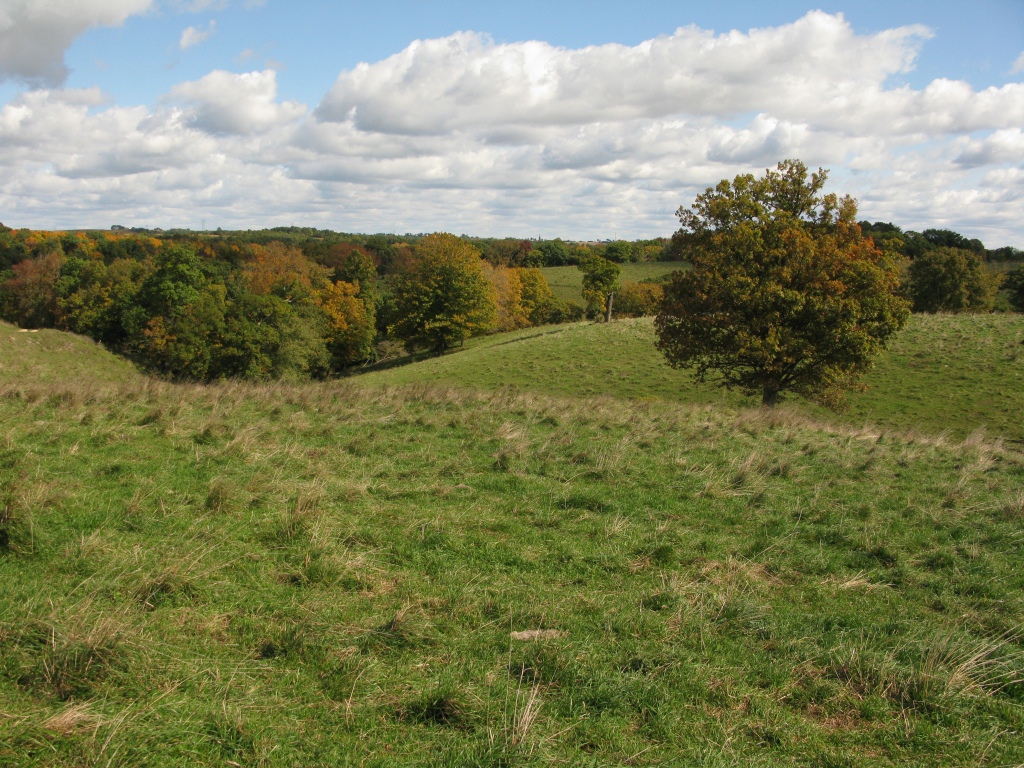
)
(784, 293)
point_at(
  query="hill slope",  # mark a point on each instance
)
(943, 373)
(54, 357)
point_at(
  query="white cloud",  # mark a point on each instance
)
(467, 135)
(465, 80)
(1006, 146)
(191, 36)
(223, 102)
(34, 34)
(199, 6)
(1018, 65)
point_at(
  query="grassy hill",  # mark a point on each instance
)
(48, 356)
(944, 373)
(567, 282)
(341, 574)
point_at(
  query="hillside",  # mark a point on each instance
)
(944, 373)
(54, 357)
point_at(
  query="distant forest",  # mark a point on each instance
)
(296, 302)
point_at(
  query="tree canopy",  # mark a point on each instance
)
(441, 295)
(600, 278)
(951, 280)
(1014, 284)
(784, 293)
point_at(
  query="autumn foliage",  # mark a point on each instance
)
(442, 296)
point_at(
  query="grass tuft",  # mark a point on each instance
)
(442, 706)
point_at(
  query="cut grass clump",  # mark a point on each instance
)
(222, 496)
(168, 587)
(12, 527)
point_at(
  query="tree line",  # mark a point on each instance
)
(268, 305)
(299, 302)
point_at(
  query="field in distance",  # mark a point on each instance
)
(567, 282)
(943, 373)
(336, 573)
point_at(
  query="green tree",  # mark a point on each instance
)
(784, 295)
(947, 238)
(599, 284)
(951, 280)
(175, 324)
(554, 253)
(12, 248)
(441, 296)
(1014, 283)
(538, 298)
(620, 252)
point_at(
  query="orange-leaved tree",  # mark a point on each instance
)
(784, 293)
(508, 291)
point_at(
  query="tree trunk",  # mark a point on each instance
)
(608, 310)
(769, 396)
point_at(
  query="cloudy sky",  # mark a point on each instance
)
(579, 120)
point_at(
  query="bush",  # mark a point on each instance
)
(638, 299)
(1014, 284)
(951, 280)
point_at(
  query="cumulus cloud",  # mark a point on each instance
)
(35, 34)
(464, 134)
(198, 6)
(223, 102)
(1006, 146)
(191, 36)
(465, 80)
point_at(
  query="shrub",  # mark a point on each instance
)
(1013, 282)
(638, 299)
(951, 280)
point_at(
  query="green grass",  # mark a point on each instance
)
(48, 356)
(944, 373)
(341, 574)
(567, 282)
(329, 574)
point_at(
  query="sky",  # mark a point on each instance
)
(530, 119)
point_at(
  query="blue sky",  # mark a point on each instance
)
(312, 41)
(552, 119)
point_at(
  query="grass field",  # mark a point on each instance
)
(48, 356)
(567, 282)
(944, 373)
(342, 574)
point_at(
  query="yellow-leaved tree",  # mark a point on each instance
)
(508, 291)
